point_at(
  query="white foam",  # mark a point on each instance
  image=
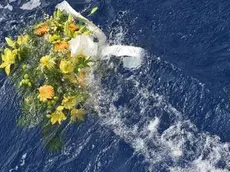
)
(157, 147)
(8, 6)
(22, 163)
(23, 159)
(31, 5)
(153, 125)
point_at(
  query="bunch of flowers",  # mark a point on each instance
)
(52, 80)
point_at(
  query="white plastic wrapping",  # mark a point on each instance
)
(132, 57)
(83, 45)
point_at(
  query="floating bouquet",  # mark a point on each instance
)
(49, 63)
(52, 77)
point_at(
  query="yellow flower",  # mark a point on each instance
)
(66, 66)
(60, 108)
(69, 102)
(8, 59)
(41, 30)
(23, 39)
(10, 42)
(46, 92)
(77, 114)
(47, 62)
(57, 116)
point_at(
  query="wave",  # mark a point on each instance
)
(154, 127)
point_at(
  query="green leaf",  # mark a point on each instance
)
(55, 14)
(70, 18)
(94, 10)
(54, 37)
(82, 29)
(58, 14)
(66, 29)
(88, 32)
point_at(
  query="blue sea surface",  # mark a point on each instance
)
(170, 115)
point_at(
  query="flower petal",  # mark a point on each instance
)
(7, 69)
(3, 65)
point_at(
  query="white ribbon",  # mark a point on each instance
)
(132, 57)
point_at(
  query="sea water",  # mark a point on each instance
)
(167, 115)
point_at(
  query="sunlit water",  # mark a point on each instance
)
(160, 117)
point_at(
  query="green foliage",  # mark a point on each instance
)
(51, 136)
(83, 62)
(32, 109)
(55, 144)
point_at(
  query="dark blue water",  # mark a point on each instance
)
(172, 114)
